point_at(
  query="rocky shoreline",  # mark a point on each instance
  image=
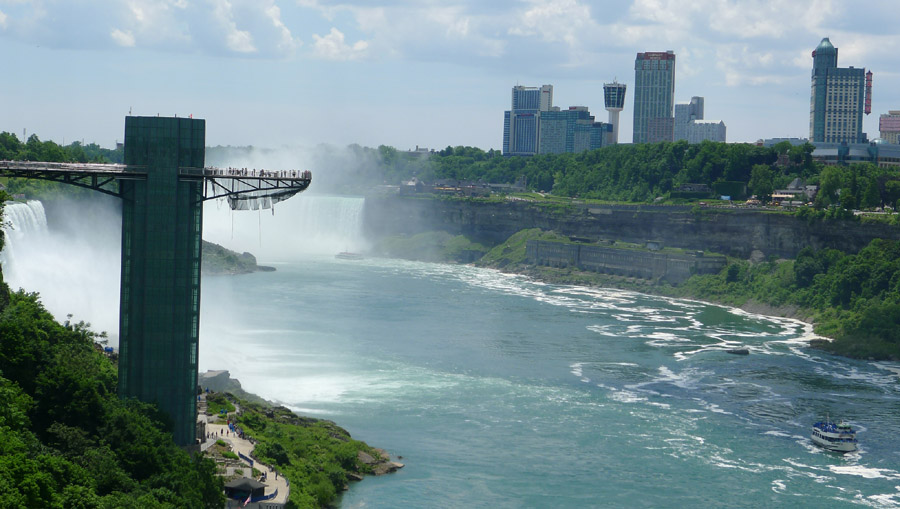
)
(221, 381)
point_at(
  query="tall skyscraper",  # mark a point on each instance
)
(521, 124)
(654, 97)
(838, 99)
(614, 99)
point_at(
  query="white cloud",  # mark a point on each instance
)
(424, 30)
(333, 47)
(735, 19)
(286, 42)
(553, 21)
(223, 27)
(2, 20)
(123, 38)
(768, 18)
(237, 40)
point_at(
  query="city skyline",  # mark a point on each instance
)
(304, 72)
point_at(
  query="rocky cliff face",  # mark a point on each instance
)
(736, 232)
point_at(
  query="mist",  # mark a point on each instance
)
(73, 261)
(304, 225)
(350, 170)
(323, 220)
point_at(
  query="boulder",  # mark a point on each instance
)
(388, 467)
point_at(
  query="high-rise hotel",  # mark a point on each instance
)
(521, 124)
(654, 97)
(839, 97)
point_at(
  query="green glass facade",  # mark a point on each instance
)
(162, 220)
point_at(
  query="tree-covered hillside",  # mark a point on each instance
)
(67, 440)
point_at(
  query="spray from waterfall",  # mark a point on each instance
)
(306, 225)
(74, 266)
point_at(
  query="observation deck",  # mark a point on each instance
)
(245, 189)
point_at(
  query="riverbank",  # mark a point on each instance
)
(575, 277)
(318, 457)
(863, 348)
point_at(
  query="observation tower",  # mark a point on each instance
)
(614, 99)
(163, 184)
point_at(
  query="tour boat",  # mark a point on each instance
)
(834, 437)
(346, 255)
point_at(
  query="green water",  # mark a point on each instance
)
(502, 392)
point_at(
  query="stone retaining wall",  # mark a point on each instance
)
(674, 268)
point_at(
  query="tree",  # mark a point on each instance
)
(829, 187)
(892, 192)
(762, 180)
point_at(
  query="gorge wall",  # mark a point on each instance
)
(736, 232)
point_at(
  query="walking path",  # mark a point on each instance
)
(239, 445)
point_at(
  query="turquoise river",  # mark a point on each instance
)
(499, 391)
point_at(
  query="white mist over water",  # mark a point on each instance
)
(304, 225)
(74, 265)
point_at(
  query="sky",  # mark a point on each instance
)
(407, 73)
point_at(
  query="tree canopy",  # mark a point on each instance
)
(67, 440)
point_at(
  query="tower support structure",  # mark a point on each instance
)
(159, 314)
(163, 184)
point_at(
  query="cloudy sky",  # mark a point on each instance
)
(416, 72)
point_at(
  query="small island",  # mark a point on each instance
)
(218, 260)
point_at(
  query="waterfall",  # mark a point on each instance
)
(301, 226)
(21, 220)
(74, 266)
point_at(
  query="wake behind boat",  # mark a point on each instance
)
(834, 437)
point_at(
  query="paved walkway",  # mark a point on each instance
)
(245, 447)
